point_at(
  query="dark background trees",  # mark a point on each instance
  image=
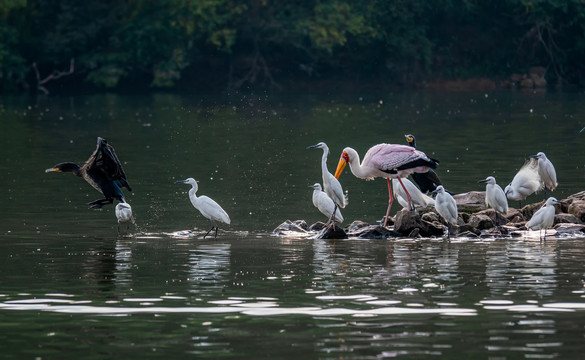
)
(139, 45)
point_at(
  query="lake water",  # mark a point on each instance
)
(71, 288)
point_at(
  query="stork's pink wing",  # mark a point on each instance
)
(392, 156)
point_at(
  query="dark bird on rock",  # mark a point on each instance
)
(103, 171)
(428, 181)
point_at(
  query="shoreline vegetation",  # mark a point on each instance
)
(68, 46)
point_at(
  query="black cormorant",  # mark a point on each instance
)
(103, 171)
(427, 182)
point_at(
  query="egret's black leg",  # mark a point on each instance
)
(208, 232)
(332, 217)
(216, 228)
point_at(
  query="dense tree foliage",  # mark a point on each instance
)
(216, 44)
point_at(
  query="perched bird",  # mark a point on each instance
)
(103, 171)
(324, 203)
(206, 206)
(124, 214)
(544, 218)
(525, 182)
(428, 181)
(386, 161)
(547, 172)
(495, 197)
(331, 185)
(417, 197)
(446, 207)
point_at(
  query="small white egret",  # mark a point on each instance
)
(388, 161)
(495, 197)
(417, 198)
(544, 218)
(526, 182)
(206, 206)
(428, 181)
(324, 203)
(446, 207)
(547, 172)
(124, 214)
(331, 185)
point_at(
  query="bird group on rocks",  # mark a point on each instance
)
(426, 195)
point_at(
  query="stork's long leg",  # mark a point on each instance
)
(410, 206)
(390, 200)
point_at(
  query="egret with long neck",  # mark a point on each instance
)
(206, 206)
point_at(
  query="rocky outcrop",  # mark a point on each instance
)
(474, 220)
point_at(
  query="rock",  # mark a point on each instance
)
(289, 226)
(515, 216)
(318, 226)
(481, 222)
(406, 221)
(431, 217)
(565, 228)
(356, 226)
(332, 232)
(373, 232)
(577, 208)
(567, 219)
(470, 202)
(468, 230)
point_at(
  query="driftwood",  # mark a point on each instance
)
(53, 76)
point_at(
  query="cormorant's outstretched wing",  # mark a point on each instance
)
(104, 160)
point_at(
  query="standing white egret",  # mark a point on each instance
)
(446, 207)
(544, 218)
(417, 198)
(526, 182)
(324, 203)
(331, 185)
(124, 214)
(206, 206)
(547, 172)
(495, 197)
(386, 161)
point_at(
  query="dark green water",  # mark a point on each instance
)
(70, 288)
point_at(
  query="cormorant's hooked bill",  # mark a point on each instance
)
(103, 171)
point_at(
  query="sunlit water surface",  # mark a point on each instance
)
(71, 288)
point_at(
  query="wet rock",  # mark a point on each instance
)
(332, 232)
(470, 202)
(467, 230)
(288, 226)
(373, 232)
(567, 218)
(569, 228)
(356, 226)
(515, 216)
(406, 221)
(496, 217)
(318, 226)
(577, 208)
(481, 222)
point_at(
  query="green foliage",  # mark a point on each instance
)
(238, 42)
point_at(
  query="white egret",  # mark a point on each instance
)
(495, 197)
(544, 218)
(386, 161)
(331, 185)
(428, 181)
(418, 199)
(324, 203)
(124, 214)
(446, 207)
(206, 206)
(547, 172)
(526, 182)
